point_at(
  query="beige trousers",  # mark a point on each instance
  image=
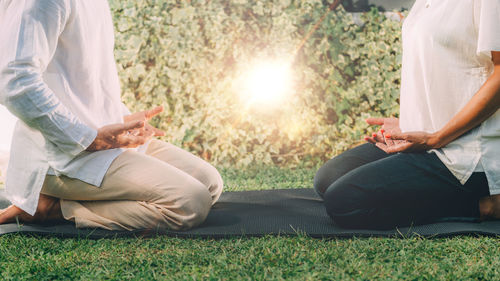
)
(165, 188)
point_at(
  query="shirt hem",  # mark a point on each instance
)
(461, 177)
(103, 169)
(25, 205)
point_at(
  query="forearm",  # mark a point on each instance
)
(482, 105)
(30, 99)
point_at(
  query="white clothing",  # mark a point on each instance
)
(447, 48)
(58, 76)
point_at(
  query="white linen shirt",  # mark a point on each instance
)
(58, 76)
(447, 48)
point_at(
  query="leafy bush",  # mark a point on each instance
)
(188, 55)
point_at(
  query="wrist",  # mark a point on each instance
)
(437, 140)
(99, 143)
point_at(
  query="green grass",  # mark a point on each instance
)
(266, 178)
(267, 258)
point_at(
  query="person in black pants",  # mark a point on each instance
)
(366, 187)
(441, 159)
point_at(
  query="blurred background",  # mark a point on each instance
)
(240, 85)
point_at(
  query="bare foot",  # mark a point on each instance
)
(489, 207)
(48, 210)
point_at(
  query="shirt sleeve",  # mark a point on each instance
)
(488, 27)
(24, 91)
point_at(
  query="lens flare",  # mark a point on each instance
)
(266, 83)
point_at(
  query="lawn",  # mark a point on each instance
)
(267, 258)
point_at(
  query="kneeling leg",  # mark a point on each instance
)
(138, 192)
(344, 163)
(401, 190)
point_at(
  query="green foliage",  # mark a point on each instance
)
(188, 55)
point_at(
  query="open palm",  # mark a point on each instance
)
(391, 140)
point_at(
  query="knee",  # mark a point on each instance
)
(344, 202)
(320, 183)
(212, 180)
(325, 176)
(338, 199)
(216, 183)
(183, 206)
(194, 207)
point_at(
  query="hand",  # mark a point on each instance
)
(411, 142)
(135, 131)
(119, 135)
(389, 126)
(146, 116)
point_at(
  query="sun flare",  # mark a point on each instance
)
(266, 83)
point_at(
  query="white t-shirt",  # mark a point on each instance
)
(58, 76)
(447, 48)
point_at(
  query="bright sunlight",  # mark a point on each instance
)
(266, 83)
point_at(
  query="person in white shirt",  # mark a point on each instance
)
(441, 159)
(78, 154)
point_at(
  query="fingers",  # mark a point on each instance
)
(375, 121)
(117, 129)
(376, 137)
(158, 132)
(133, 125)
(379, 136)
(153, 112)
(129, 134)
(370, 140)
(402, 147)
(126, 135)
(150, 131)
(397, 136)
(131, 141)
(387, 138)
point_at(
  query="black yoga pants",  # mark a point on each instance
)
(366, 188)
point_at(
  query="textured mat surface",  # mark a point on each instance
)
(258, 213)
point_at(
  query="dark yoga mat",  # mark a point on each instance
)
(258, 213)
